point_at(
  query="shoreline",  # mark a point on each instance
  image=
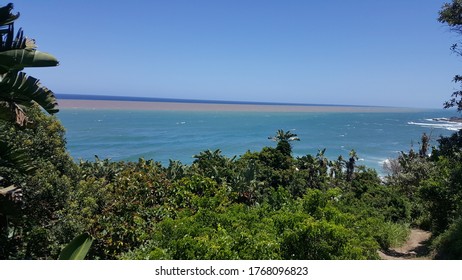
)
(179, 106)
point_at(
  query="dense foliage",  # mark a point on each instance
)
(45, 187)
(262, 205)
(435, 185)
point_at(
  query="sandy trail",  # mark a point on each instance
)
(414, 248)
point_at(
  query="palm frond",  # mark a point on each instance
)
(19, 42)
(17, 90)
(22, 89)
(8, 41)
(6, 17)
(15, 158)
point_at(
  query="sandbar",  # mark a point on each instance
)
(188, 106)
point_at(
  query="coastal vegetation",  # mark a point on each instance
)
(261, 205)
(266, 204)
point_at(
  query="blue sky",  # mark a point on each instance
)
(390, 53)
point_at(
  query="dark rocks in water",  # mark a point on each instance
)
(451, 119)
(455, 119)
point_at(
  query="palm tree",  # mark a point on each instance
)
(350, 165)
(283, 138)
(282, 135)
(17, 90)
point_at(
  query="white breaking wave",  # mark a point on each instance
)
(440, 123)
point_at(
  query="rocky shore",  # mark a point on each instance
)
(451, 119)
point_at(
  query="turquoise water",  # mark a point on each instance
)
(179, 135)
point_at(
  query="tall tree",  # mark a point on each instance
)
(282, 138)
(451, 14)
(350, 165)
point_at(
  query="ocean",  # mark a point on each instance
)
(179, 135)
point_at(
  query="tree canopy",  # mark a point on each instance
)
(451, 14)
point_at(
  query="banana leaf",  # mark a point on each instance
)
(77, 249)
(17, 90)
(6, 17)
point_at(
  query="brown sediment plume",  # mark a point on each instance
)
(179, 106)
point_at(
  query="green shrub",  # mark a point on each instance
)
(448, 245)
(323, 240)
(392, 235)
(240, 233)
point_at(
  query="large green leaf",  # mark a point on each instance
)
(77, 249)
(18, 90)
(23, 89)
(15, 60)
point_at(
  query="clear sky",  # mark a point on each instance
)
(362, 52)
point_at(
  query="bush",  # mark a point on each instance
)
(33, 230)
(323, 240)
(240, 233)
(448, 245)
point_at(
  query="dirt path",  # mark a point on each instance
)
(414, 248)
